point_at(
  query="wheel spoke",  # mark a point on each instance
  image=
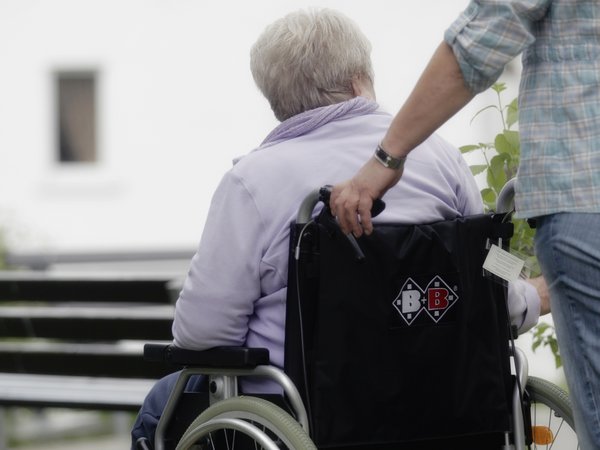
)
(258, 421)
(556, 430)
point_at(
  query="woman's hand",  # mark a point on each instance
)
(542, 289)
(351, 201)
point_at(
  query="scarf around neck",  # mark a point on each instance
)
(314, 118)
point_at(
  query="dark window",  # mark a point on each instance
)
(76, 113)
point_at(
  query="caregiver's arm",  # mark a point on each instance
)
(438, 95)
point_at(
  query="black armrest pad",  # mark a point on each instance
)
(226, 357)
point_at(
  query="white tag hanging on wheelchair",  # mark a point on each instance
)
(503, 264)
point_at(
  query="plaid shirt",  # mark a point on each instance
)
(559, 96)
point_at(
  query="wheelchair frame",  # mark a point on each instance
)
(224, 385)
(241, 362)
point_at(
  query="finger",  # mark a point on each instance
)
(356, 227)
(347, 215)
(365, 204)
(348, 219)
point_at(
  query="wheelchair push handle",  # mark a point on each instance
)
(323, 195)
(505, 203)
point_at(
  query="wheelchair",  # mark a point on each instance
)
(398, 341)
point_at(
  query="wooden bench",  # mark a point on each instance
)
(77, 340)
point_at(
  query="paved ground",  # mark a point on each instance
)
(120, 442)
(64, 429)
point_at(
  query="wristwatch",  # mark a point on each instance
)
(388, 160)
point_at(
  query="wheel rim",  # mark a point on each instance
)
(551, 416)
(260, 418)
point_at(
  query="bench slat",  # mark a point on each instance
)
(86, 288)
(87, 323)
(78, 360)
(73, 392)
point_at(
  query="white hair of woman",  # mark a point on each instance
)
(308, 59)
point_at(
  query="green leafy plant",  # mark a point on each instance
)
(544, 335)
(501, 160)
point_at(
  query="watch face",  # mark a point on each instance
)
(387, 160)
(382, 157)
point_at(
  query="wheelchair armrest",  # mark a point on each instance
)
(224, 357)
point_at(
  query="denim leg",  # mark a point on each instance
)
(568, 249)
(154, 404)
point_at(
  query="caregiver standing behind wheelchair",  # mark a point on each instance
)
(314, 68)
(558, 181)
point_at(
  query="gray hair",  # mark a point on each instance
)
(308, 59)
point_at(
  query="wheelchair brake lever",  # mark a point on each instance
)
(376, 209)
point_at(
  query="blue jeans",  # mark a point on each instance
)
(155, 402)
(568, 249)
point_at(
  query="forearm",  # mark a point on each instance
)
(437, 96)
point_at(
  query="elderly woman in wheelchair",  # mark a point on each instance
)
(315, 70)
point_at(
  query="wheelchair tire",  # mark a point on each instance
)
(262, 416)
(551, 409)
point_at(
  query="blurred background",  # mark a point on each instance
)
(119, 117)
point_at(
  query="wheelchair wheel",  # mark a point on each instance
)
(551, 416)
(245, 423)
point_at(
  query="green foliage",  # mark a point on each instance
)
(543, 334)
(501, 163)
(502, 156)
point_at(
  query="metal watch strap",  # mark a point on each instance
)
(388, 160)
